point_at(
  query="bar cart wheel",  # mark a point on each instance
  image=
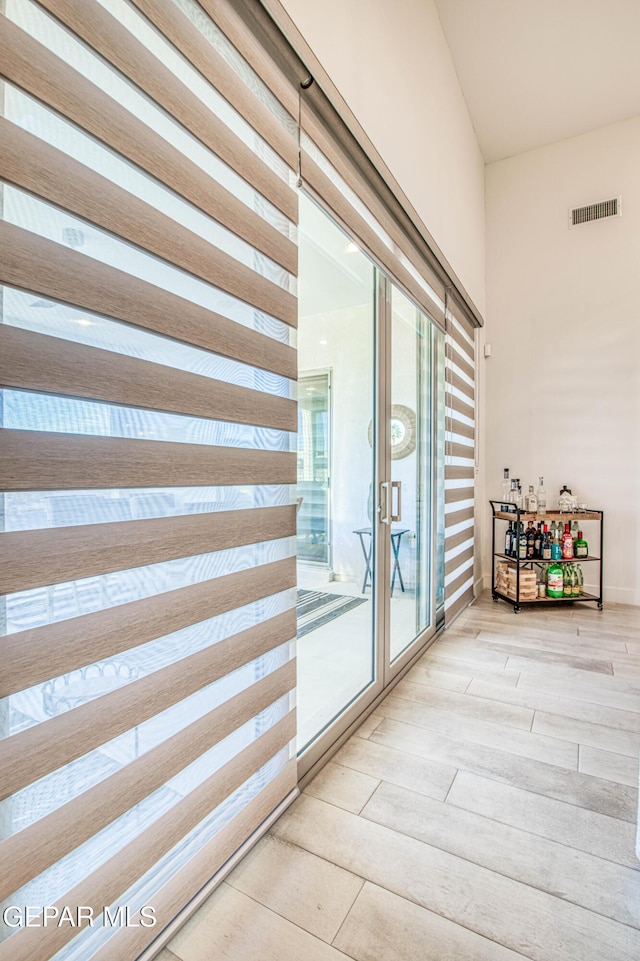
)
(495, 598)
(517, 608)
(600, 605)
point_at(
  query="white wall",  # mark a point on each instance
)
(563, 317)
(391, 63)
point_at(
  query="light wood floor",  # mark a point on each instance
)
(485, 812)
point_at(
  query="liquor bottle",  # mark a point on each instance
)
(556, 547)
(513, 493)
(555, 581)
(574, 529)
(519, 501)
(531, 541)
(531, 501)
(542, 497)
(522, 543)
(508, 539)
(580, 580)
(580, 546)
(538, 541)
(567, 544)
(566, 581)
(575, 584)
(546, 544)
(505, 489)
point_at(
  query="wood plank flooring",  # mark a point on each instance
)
(485, 812)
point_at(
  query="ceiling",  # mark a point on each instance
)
(534, 73)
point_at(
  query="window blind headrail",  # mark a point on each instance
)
(43, 267)
(35, 558)
(32, 754)
(32, 656)
(177, 27)
(35, 69)
(37, 460)
(35, 166)
(111, 39)
(116, 875)
(29, 852)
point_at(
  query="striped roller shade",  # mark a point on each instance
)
(459, 460)
(148, 266)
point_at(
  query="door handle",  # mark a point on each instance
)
(397, 485)
(384, 495)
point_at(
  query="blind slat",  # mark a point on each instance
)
(117, 874)
(33, 361)
(456, 381)
(32, 656)
(451, 472)
(29, 65)
(456, 427)
(454, 403)
(456, 517)
(34, 460)
(455, 539)
(36, 166)
(32, 754)
(460, 360)
(34, 558)
(177, 27)
(118, 46)
(455, 562)
(453, 494)
(27, 853)
(457, 583)
(40, 266)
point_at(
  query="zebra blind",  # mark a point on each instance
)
(459, 460)
(148, 266)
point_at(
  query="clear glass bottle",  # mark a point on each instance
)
(519, 501)
(531, 501)
(505, 489)
(542, 497)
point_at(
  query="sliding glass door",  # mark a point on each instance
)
(410, 467)
(364, 495)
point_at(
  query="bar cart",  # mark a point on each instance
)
(521, 567)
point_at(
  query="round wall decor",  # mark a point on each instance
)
(403, 431)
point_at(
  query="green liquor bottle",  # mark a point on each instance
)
(580, 546)
(566, 581)
(555, 581)
(575, 585)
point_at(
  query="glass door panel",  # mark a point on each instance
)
(336, 528)
(410, 541)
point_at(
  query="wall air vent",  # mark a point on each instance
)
(606, 208)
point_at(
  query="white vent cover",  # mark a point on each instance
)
(606, 208)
